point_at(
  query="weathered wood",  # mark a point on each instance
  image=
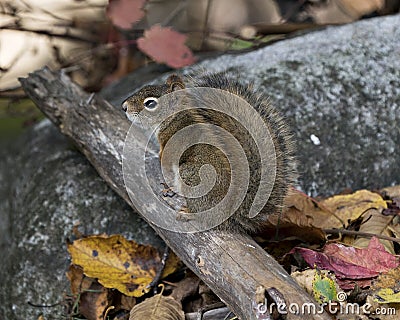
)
(232, 265)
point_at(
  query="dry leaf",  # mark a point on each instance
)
(94, 299)
(124, 13)
(390, 279)
(186, 288)
(156, 308)
(313, 213)
(392, 192)
(343, 11)
(305, 278)
(358, 8)
(387, 295)
(368, 207)
(165, 45)
(127, 303)
(79, 283)
(350, 207)
(119, 263)
(94, 303)
(378, 224)
(324, 288)
(385, 311)
(349, 263)
(303, 219)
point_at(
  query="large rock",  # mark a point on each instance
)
(340, 90)
(47, 188)
(338, 87)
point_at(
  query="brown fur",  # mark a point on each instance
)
(198, 155)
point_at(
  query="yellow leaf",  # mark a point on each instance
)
(117, 263)
(350, 207)
(387, 295)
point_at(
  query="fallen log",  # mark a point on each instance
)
(231, 264)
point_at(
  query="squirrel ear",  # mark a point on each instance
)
(174, 83)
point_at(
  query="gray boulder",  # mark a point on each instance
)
(339, 88)
(47, 188)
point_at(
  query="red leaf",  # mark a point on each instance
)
(374, 257)
(124, 13)
(351, 263)
(167, 46)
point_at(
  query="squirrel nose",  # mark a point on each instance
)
(125, 106)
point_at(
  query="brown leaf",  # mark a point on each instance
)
(165, 45)
(303, 219)
(392, 192)
(185, 288)
(158, 307)
(95, 302)
(78, 281)
(127, 303)
(124, 13)
(313, 213)
(94, 299)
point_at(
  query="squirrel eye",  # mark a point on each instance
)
(150, 103)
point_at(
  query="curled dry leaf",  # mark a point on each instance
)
(165, 45)
(124, 13)
(118, 263)
(158, 307)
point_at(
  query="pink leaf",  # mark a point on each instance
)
(124, 13)
(374, 257)
(167, 46)
(349, 263)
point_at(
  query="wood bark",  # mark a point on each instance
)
(231, 264)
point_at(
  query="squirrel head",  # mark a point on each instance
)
(147, 97)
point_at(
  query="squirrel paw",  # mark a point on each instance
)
(183, 214)
(167, 191)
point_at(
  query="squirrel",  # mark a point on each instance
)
(192, 159)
